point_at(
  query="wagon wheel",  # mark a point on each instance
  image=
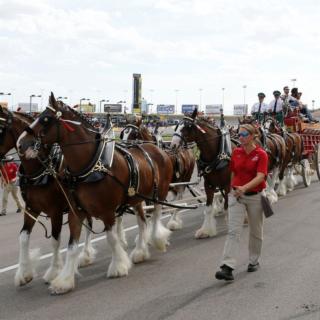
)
(317, 160)
(306, 172)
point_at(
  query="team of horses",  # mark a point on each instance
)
(69, 166)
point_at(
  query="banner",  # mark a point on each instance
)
(213, 108)
(112, 107)
(137, 81)
(165, 108)
(240, 109)
(88, 107)
(188, 108)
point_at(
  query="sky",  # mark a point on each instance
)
(185, 50)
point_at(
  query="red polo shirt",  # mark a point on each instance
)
(9, 171)
(246, 166)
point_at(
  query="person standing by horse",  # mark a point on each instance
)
(276, 107)
(249, 167)
(8, 182)
(259, 108)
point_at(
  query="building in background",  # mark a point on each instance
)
(137, 88)
(25, 107)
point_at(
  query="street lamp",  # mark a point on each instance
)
(177, 92)
(223, 97)
(313, 101)
(83, 99)
(244, 94)
(33, 96)
(101, 102)
(293, 82)
(200, 96)
(62, 98)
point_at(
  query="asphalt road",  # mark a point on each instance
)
(180, 284)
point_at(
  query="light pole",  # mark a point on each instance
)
(200, 98)
(177, 92)
(244, 94)
(83, 99)
(5, 94)
(293, 82)
(100, 104)
(313, 101)
(33, 96)
(62, 98)
(223, 98)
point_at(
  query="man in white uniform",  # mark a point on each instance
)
(275, 108)
(259, 108)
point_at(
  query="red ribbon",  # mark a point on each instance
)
(67, 126)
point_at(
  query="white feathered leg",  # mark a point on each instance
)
(282, 187)
(175, 222)
(291, 180)
(120, 232)
(209, 226)
(88, 252)
(56, 262)
(120, 263)
(218, 204)
(65, 281)
(27, 258)
(141, 251)
(270, 192)
(159, 233)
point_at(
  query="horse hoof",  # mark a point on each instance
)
(139, 255)
(87, 257)
(22, 279)
(60, 286)
(174, 225)
(202, 234)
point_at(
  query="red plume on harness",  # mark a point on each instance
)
(66, 125)
(200, 128)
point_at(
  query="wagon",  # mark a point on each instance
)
(310, 134)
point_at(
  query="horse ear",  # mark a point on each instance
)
(194, 113)
(52, 101)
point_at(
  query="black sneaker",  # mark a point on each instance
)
(225, 273)
(18, 210)
(253, 267)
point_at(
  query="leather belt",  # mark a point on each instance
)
(251, 193)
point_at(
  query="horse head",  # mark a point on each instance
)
(52, 125)
(11, 126)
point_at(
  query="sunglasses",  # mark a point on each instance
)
(244, 134)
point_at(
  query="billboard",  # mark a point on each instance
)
(165, 108)
(137, 81)
(213, 108)
(188, 108)
(112, 107)
(27, 107)
(87, 107)
(240, 109)
(4, 104)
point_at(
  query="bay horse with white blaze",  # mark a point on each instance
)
(208, 139)
(41, 193)
(183, 162)
(104, 181)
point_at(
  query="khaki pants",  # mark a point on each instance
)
(237, 210)
(13, 189)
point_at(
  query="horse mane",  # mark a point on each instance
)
(85, 120)
(206, 123)
(23, 116)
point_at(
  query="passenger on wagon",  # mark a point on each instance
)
(8, 182)
(297, 103)
(249, 167)
(276, 107)
(259, 108)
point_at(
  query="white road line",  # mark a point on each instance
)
(49, 255)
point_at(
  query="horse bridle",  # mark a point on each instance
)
(188, 123)
(132, 126)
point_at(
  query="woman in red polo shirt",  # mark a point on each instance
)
(249, 167)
